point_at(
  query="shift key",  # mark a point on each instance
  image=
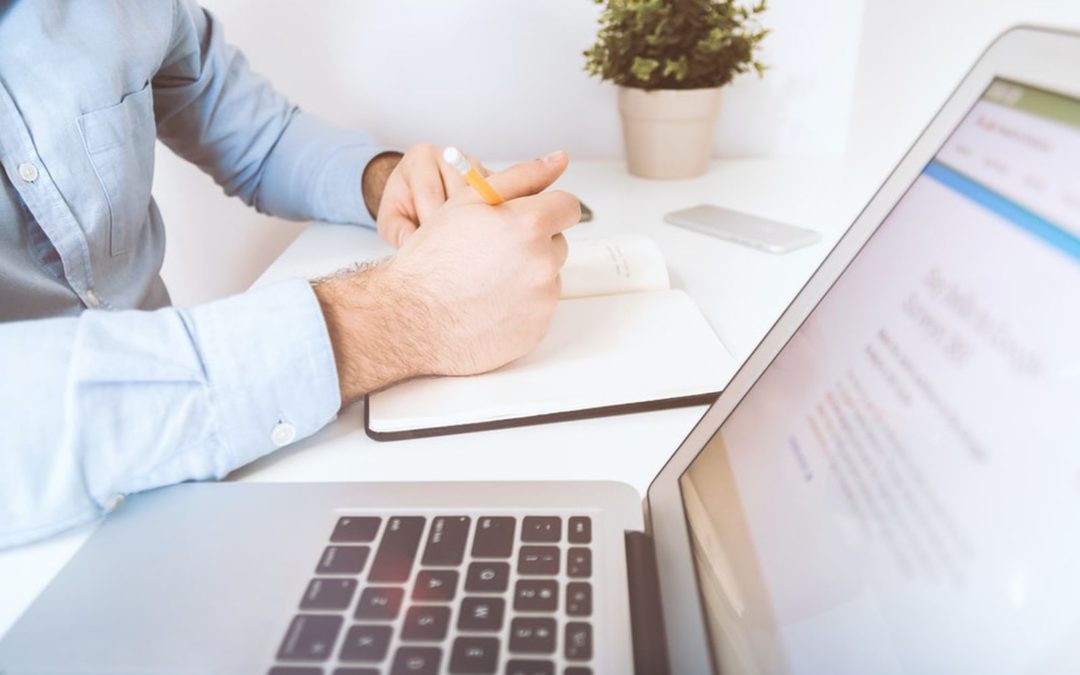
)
(494, 537)
(397, 550)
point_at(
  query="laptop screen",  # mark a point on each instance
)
(900, 490)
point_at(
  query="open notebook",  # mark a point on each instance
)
(621, 340)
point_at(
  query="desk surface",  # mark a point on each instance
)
(741, 291)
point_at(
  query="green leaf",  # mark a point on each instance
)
(677, 44)
(642, 69)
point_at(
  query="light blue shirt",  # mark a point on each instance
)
(105, 390)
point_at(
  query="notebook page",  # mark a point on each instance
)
(622, 264)
(599, 351)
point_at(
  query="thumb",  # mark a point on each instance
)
(529, 178)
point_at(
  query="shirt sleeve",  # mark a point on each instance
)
(215, 112)
(110, 403)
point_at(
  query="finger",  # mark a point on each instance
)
(479, 167)
(562, 249)
(395, 228)
(428, 191)
(529, 178)
(404, 233)
(553, 211)
(453, 182)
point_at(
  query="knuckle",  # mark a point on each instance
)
(560, 259)
(556, 264)
(432, 190)
(420, 149)
(533, 220)
(545, 271)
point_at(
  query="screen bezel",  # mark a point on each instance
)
(1026, 55)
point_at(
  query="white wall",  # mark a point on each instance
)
(501, 78)
(914, 53)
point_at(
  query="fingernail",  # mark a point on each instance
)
(402, 236)
(554, 156)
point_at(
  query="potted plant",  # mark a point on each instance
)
(670, 59)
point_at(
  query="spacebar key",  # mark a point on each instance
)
(394, 559)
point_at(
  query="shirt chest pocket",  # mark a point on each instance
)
(119, 140)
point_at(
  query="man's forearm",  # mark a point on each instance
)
(376, 328)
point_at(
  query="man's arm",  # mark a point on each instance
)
(214, 111)
(110, 403)
(376, 174)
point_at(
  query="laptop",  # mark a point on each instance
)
(890, 484)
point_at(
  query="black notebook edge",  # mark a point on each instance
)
(707, 398)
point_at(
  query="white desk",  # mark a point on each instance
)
(742, 292)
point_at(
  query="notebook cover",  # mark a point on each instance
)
(546, 418)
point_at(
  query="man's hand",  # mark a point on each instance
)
(419, 184)
(471, 290)
(376, 175)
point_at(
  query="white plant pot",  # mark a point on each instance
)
(668, 132)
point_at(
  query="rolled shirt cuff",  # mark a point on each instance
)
(314, 172)
(270, 365)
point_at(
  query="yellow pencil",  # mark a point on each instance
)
(456, 159)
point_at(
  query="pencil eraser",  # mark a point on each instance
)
(454, 158)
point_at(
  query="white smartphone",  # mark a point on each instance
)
(743, 228)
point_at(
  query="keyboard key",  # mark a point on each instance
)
(578, 641)
(310, 637)
(532, 636)
(536, 595)
(529, 667)
(295, 670)
(544, 529)
(578, 598)
(538, 560)
(426, 622)
(354, 529)
(366, 643)
(435, 585)
(580, 530)
(343, 560)
(494, 537)
(481, 613)
(328, 594)
(487, 577)
(577, 670)
(379, 603)
(474, 655)
(579, 563)
(416, 661)
(446, 541)
(356, 671)
(394, 559)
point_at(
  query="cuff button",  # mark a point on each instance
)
(283, 434)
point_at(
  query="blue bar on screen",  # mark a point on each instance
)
(1007, 209)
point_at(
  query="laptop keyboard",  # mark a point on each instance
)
(413, 595)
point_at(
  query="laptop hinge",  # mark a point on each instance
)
(646, 613)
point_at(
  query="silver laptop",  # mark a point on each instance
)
(890, 484)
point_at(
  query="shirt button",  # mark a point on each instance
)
(112, 502)
(283, 434)
(92, 299)
(28, 172)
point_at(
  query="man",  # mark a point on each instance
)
(105, 389)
